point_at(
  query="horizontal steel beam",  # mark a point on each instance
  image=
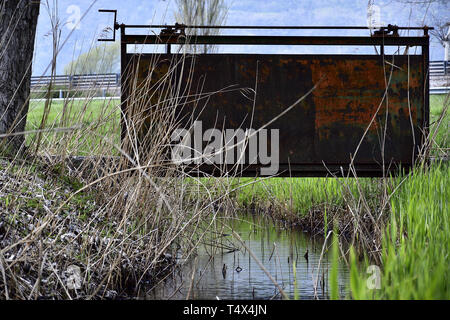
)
(304, 170)
(160, 26)
(277, 40)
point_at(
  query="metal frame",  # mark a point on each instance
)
(383, 36)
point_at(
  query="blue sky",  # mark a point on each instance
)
(241, 12)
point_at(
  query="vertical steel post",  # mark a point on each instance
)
(123, 80)
(426, 86)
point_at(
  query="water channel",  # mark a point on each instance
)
(230, 272)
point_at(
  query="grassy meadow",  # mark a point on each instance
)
(415, 243)
(97, 122)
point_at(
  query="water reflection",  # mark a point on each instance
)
(227, 273)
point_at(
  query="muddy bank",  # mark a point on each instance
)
(357, 229)
(58, 243)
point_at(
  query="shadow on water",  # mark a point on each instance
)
(226, 270)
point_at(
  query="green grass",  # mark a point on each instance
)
(300, 195)
(436, 107)
(98, 119)
(416, 245)
(85, 110)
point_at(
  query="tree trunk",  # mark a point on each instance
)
(18, 20)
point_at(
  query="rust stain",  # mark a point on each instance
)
(351, 93)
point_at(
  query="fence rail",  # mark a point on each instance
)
(439, 68)
(83, 81)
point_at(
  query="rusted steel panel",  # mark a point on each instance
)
(349, 114)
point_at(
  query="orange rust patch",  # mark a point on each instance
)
(351, 93)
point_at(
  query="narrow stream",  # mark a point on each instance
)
(218, 273)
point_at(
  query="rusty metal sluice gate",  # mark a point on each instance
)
(371, 110)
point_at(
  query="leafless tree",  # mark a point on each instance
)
(436, 13)
(441, 26)
(202, 13)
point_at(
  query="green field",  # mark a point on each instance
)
(75, 110)
(98, 121)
